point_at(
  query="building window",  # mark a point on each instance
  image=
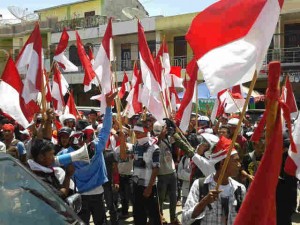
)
(73, 55)
(180, 52)
(152, 47)
(88, 14)
(16, 53)
(126, 63)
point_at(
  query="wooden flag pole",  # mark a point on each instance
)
(272, 104)
(43, 100)
(167, 88)
(224, 167)
(164, 104)
(197, 107)
(123, 146)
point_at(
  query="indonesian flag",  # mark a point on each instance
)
(292, 163)
(259, 205)
(47, 87)
(59, 55)
(71, 106)
(185, 109)
(29, 64)
(162, 64)
(150, 78)
(151, 96)
(289, 97)
(89, 73)
(233, 102)
(102, 65)
(173, 78)
(254, 210)
(59, 90)
(125, 86)
(11, 87)
(91, 55)
(185, 81)
(230, 39)
(175, 101)
(134, 103)
(219, 107)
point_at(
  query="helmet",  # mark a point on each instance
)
(157, 128)
(67, 117)
(65, 130)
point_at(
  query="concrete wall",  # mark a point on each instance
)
(290, 6)
(71, 11)
(119, 28)
(114, 8)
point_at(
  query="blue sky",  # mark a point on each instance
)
(154, 7)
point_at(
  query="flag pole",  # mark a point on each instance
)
(272, 104)
(123, 146)
(230, 94)
(197, 107)
(43, 100)
(164, 77)
(164, 104)
(224, 167)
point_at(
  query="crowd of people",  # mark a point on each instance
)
(144, 163)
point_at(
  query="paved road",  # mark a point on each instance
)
(295, 219)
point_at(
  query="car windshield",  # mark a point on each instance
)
(24, 200)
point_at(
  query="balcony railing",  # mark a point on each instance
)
(27, 27)
(284, 55)
(87, 22)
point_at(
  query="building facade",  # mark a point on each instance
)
(89, 18)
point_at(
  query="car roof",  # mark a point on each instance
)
(6, 156)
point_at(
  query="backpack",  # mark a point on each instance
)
(204, 189)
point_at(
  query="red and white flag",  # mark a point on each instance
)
(175, 101)
(47, 88)
(184, 113)
(91, 55)
(29, 64)
(134, 103)
(59, 55)
(59, 90)
(162, 64)
(126, 87)
(89, 73)
(230, 39)
(292, 163)
(71, 106)
(151, 94)
(150, 78)
(233, 102)
(102, 65)
(289, 97)
(174, 77)
(219, 107)
(11, 87)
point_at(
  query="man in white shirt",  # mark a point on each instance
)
(216, 207)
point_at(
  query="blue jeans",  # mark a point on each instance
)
(167, 184)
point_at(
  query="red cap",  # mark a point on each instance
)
(8, 126)
(220, 151)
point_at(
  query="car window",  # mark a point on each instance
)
(23, 200)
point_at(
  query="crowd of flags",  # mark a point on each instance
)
(229, 42)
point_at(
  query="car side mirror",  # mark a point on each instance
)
(75, 202)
